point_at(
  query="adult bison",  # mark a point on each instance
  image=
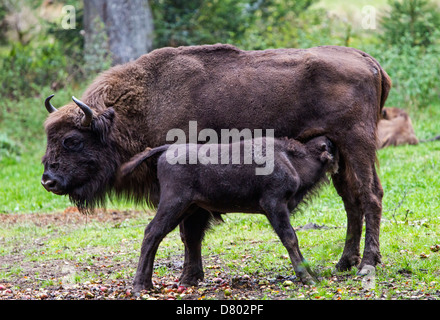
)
(395, 128)
(301, 93)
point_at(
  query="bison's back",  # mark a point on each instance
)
(291, 90)
(295, 91)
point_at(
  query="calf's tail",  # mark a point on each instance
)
(136, 160)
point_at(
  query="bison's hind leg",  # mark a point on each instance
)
(359, 186)
(278, 215)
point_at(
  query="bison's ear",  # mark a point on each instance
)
(102, 124)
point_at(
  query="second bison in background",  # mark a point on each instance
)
(395, 128)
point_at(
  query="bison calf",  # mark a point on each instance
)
(220, 188)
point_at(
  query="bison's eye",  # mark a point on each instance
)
(73, 143)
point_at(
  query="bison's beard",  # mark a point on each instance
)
(89, 196)
(93, 193)
(141, 187)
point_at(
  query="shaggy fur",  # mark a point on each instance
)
(301, 93)
(224, 188)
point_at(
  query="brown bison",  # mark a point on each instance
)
(395, 128)
(334, 91)
(233, 186)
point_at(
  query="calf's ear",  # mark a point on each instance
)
(103, 123)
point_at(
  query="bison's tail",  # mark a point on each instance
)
(386, 87)
(134, 162)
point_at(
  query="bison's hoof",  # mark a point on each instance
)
(139, 287)
(345, 263)
(191, 279)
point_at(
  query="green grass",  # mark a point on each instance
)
(245, 244)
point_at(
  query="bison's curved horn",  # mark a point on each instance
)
(88, 113)
(50, 108)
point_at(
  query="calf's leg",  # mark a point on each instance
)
(192, 231)
(278, 215)
(168, 216)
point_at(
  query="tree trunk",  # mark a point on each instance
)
(121, 28)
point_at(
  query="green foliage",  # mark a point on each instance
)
(51, 58)
(414, 72)
(249, 24)
(71, 43)
(408, 50)
(9, 149)
(29, 67)
(413, 22)
(198, 21)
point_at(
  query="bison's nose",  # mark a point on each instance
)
(50, 183)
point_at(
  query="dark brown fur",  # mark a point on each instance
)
(301, 93)
(228, 187)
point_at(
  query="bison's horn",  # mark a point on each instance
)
(88, 113)
(50, 108)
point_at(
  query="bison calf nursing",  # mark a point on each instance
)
(222, 188)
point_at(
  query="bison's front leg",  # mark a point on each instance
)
(192, 230)
(278, 216)
(167, 218)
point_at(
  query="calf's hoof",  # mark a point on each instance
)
(305, 273)
(309, 280)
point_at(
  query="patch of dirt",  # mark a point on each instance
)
(70, 215)
(111, 273)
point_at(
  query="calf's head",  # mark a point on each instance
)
(80, 159)
(322, 149)
(321, 157)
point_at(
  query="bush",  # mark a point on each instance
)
(411, 22)
(409, 52)
(27, 68)
(414, 72)
(52, 57)
(8, 148)
(249, 24)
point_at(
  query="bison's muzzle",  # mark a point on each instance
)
(52, 183)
